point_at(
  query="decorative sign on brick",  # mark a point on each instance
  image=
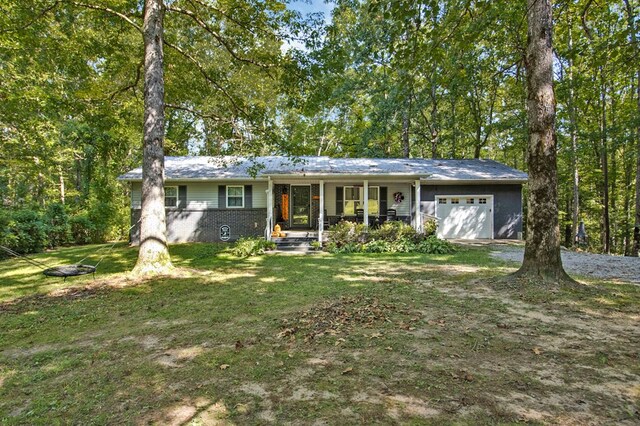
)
(225, 232)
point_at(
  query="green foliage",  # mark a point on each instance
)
(58, 225)
(430, 226)
(24, 231)
(31, 230)
(252, 246)
(82, 229)
(316, 245)
(391, 237)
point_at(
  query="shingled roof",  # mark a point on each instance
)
(231, 167)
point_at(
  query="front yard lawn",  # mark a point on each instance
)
(333, 339)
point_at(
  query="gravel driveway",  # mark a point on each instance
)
(586, 264)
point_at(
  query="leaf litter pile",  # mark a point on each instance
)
(339, 317)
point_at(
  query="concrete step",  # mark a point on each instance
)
(298, 243)
(295, 249)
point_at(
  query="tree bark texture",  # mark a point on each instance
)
(542, 260)
(153, 257)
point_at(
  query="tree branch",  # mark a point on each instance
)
(583, 18)
(110, 11)
(205, 75)
(194, 112)
(220, 12)
(132, 85)
(38, 16)
(215, 35)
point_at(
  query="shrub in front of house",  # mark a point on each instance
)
(252, 246)
(390, 237)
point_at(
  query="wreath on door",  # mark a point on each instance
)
(398, 197)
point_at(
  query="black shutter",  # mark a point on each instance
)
(248, 197)
(339, 200)
(222, 196)
(182, 196)
(383, 200)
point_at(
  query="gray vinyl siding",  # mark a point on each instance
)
(204, 195)
(507, 204)
(330, 198)
(259, 194)
(403, 208)
(136, 195)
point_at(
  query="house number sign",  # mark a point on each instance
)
(225, 232)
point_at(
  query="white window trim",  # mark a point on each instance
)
(361, 200)
(177, 197)
(227, 196)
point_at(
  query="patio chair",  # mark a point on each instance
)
(392, 215)
(359, 215)
(326, 223)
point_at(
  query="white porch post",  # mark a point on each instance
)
(321, 219)
(365, 220)
(269, 209)
(418, 216)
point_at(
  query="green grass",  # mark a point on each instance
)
(418, 339)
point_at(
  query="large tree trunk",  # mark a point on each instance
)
(153, 257)
(542, 260)
(636, 233)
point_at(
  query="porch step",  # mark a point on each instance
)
(301, 244)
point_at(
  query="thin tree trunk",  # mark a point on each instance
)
(406, 124)
(434, 130)
(575, 208)
(61, 180)
(454, 140)
(632, 29)
(542, 249)
(626, 208)
(153, 257)
(604, 162)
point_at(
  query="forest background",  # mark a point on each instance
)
(433, 79)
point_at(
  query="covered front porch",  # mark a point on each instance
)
(306, 204)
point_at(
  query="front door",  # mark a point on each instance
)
(300, 206)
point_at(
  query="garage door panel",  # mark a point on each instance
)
(465, 221)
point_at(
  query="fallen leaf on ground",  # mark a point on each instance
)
(224, 366)
(537, 350)
(347, 371)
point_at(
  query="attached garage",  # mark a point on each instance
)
(474, 210)
(465, 216)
